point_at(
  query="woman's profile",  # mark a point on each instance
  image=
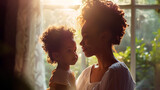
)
(103, 26)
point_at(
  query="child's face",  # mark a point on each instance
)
(68, 53)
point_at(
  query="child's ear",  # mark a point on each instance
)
(55, 55)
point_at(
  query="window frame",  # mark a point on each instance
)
(133, 6)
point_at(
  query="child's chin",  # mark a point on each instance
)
(73, 63)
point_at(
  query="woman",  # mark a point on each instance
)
(103, 25)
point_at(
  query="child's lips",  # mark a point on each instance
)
(75, 59)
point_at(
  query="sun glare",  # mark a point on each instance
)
(65, 3)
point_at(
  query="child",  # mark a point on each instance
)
(58, 43)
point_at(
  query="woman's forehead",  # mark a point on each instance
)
(86, 27)
(89, 28)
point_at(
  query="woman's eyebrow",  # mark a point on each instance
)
(70, 47)
(84, 30)
(84, 33)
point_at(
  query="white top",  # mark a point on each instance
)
(117, 77)
(62, 77)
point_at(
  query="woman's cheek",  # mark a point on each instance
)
(90, 43)
(87, 43)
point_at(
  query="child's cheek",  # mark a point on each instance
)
(67, 56)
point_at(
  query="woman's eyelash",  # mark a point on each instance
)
(86, 36)
(75, 50)
(69, 50)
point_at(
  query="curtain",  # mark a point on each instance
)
(29, 62)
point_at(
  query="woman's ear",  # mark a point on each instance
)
(106, 36)
(103, 35)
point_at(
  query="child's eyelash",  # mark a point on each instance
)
(69, 50)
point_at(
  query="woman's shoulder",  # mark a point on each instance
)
(118, 66)
(120, 69)
(118, 73)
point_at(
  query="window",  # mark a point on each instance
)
(137, 48)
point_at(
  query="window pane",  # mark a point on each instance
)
(147, 22)
(62, 2)
(65, 17)
(121, 2)
(144, 2)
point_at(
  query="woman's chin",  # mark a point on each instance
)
(88, 54)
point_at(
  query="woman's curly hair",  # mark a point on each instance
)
(106, 15)
(52, 40)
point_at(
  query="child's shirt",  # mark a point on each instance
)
(62, 80)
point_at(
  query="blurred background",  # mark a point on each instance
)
(23, 21)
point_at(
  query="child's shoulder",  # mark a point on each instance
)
(60, 76)
(58, 86)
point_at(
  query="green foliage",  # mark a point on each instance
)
(155, 53)
(124, 56)
(144, 65)
(145, 61)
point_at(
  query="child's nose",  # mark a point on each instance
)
(76, 56)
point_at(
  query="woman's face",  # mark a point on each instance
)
(93, 40)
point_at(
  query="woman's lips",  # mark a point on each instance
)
(83, 48)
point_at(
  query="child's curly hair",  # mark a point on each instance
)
(105, 15)
(52, 40)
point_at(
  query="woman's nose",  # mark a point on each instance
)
(81, 43)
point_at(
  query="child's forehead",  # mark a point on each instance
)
(69, 43)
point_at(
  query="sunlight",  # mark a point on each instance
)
(64, 3)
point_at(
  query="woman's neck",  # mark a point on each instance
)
(105, 58)
(63, 67)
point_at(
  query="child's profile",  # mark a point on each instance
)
(59, 45)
